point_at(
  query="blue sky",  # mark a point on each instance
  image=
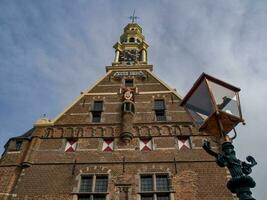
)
(50, 51)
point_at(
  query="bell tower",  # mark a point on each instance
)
(124, 138)
(131, 49)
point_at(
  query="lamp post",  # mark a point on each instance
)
(214, 107)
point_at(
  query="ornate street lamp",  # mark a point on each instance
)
(215, 109)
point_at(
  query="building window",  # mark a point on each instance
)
(128, 82)
(96, 116)
(98, 106)
(159, 107)
(131, 40)
(155, 187)
(93, 187)
(146, 183)
(86, 184)
(162, 183)
(128, 107)
(184, 142)
(18, 145)
(101, 184)
(97, 111)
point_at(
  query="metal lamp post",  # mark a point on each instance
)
(215, 109)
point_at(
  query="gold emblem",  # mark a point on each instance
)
(128, 95)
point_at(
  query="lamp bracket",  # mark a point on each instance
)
(240, 183)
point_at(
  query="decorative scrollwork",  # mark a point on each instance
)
(228, 159)
(240, 183)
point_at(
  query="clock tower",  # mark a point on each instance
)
(124, 138)
(131, 48)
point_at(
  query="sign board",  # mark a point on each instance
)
(121, 74)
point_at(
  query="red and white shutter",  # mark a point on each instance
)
(108, 145)
(145, 144)
(71, 146)
(184, 143)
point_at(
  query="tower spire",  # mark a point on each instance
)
(131, 49)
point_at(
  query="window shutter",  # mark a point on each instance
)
(107, 145)
(184, 143)
(145, 144)
(71, 145)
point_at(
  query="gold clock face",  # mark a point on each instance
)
(130, 56)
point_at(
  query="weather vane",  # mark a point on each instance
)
(133, 17)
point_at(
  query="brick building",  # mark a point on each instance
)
(125, 138)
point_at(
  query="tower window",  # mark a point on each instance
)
(159, 107)
(155, 187)
(128, 107)
(93, 187)
(129, 82)
(97, 111)
(132, 40)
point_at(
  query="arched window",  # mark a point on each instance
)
(128, 83)
(132, 39)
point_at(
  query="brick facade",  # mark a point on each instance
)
(40, 168)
